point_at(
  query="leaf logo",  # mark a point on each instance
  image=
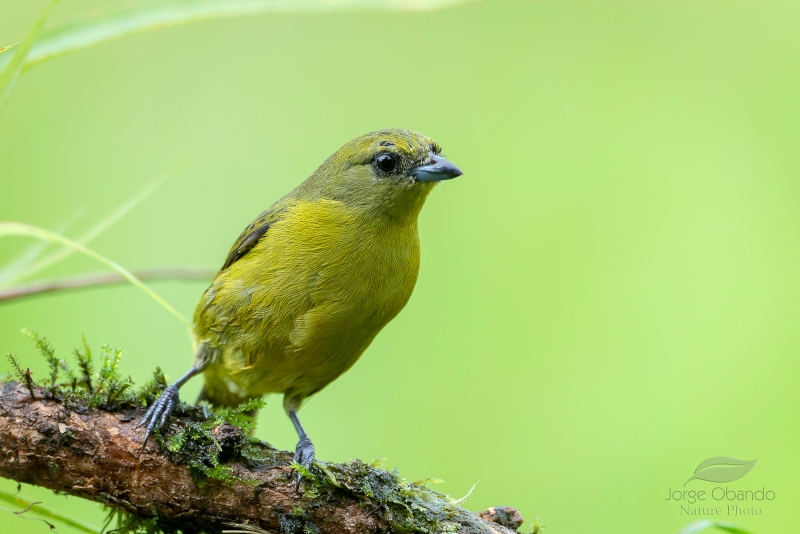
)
(722, 469)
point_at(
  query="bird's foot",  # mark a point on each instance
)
(159, 412)
(303, 455)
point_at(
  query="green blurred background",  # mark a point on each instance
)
(607, 297)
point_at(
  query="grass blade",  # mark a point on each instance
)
(702, 526)
(46, 512)
(164, 15)
(14, 64)
(104, 224)
(16, 266)
(10, 228)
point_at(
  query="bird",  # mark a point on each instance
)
(311, 281)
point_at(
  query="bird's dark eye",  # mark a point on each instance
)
(385, 162)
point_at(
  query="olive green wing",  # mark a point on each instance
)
(254, 231)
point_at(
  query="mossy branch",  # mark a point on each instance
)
(97, 454)
(75, 433)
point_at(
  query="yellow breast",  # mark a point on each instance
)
(300, 308)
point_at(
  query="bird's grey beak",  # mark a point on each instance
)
(438, 169)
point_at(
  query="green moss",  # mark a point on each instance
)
(46, 350)
(65, 437)
(449, 527)
(403, 506)
(207, 439)
(19, 374)
(125, 523)
(105, 389)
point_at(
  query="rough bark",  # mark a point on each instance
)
(98, 455)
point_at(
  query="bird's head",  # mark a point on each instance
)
(385, 172)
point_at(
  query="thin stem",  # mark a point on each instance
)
(108, 221)
(13, 228)
(101, 279)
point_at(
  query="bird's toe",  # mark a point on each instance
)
(303, 455)
(159, 412)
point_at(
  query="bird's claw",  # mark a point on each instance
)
(303, 455)
(159, 412)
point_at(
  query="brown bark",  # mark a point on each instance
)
(98, 455)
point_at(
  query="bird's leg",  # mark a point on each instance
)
(304, 452)
(161, 409)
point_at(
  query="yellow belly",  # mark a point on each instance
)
(299, 308)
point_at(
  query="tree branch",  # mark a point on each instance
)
(100, 279)
(97, 455)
